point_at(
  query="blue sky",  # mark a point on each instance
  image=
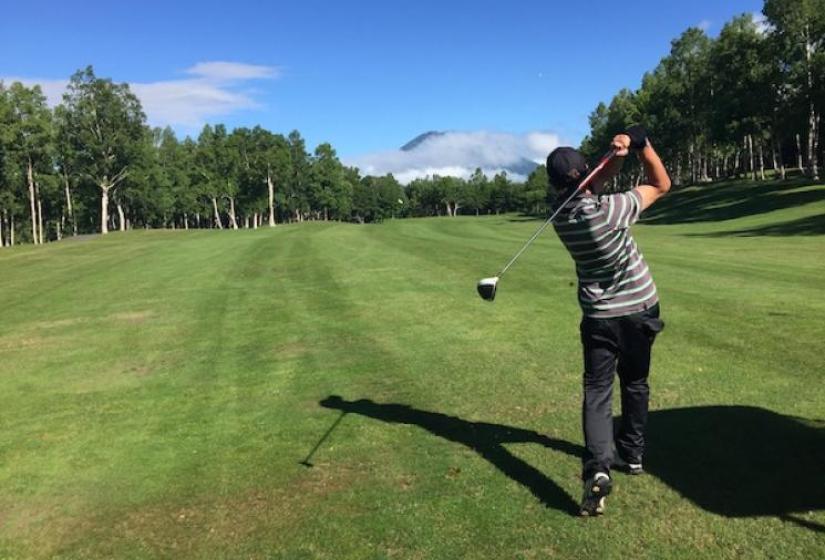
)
(365, 76)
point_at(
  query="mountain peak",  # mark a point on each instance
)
(421, 138)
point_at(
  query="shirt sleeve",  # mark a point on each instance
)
(622, 209)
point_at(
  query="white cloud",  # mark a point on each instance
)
(231, 71)
(458, 154)
(705, 24)
(215, 89)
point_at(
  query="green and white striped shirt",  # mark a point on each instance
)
(614, 279)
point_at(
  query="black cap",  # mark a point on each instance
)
(566, 167)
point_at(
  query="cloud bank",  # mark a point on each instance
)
(458, 154)
(213, 89)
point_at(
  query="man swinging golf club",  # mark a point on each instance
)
(619, 303)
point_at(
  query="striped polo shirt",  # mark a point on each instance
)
(614, 279)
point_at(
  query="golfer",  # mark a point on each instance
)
(619, 303)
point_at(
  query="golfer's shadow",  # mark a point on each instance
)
(485, 439)
(735, 461)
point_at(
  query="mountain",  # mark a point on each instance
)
(418, 140)
(521, 166)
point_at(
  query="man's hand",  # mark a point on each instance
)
(621, 144)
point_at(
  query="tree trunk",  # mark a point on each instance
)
(185, 221)
(32, 201)
(104, 209)
(69, 205)
(271, 187)
(761, 163)
(217, 215)
(813, 119)
(780, 159)
(799, 153)
(60, 223)
(736, 163)
(13, 230)
(751, 161)
(813, 146)
(232, 220)
(2, 220)
(39, 217)
(121, 218)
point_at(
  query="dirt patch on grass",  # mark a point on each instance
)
(133, 317)
(57, 323)
(17, 342)
(238, 524)
(289, 350)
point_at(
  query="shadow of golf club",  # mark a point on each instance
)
(485, 439)
(734, 461)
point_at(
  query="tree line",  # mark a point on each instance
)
(93, 164)
(744, 103)
(747, 101)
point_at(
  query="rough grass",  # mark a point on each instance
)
(159, 389)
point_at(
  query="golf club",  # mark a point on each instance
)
(306, 461)
(487, 286)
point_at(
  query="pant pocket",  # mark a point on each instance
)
(652, 326)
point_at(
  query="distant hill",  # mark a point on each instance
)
(418, 140)
(522, 166)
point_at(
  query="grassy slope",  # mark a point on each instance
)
(159, 388)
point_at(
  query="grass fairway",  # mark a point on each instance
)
(159, 389)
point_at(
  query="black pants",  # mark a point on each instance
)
(618, 345)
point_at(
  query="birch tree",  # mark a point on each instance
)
(30, 134)
(798, 28)
(106, 125)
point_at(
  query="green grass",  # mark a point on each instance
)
(158, 390)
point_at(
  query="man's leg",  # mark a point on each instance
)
(600, 352)
(638, 334)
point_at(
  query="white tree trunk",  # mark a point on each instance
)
(813, 145)
(13, 230)
(2, 238)
(799, 153)
(751, 162)
(104, 209)
(761, 163)
(32, 201)
(121, 218)
(39, 217)
(69, 204)
(185, 221)
(217, 214)
(271, 187)
(232, 220)
(813, 119)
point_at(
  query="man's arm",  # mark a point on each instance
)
(613, 167)
(658, 179)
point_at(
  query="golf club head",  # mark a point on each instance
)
(487, 288)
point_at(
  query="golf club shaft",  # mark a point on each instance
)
(549, 220)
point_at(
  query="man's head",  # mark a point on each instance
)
(566, 168)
